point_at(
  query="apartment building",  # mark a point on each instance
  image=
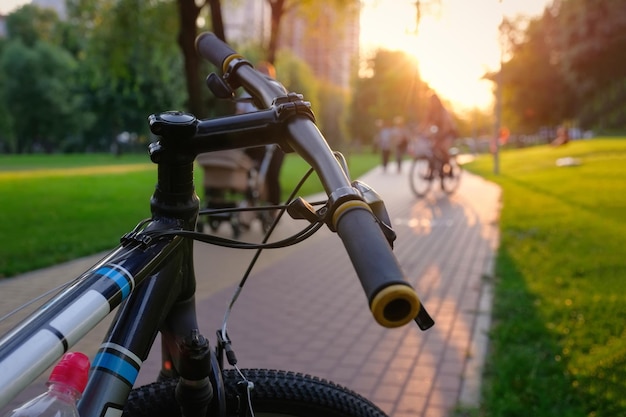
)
(328, 42)
(246, 21)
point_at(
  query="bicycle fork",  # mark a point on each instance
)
(186, 354)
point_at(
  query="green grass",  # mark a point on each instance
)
(558, 342)
(42, 161)
(60, 207)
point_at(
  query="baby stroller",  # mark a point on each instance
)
(232, 180)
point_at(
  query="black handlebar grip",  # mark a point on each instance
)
(214, 50)
(392, 300)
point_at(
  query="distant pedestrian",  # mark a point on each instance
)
(562, 136)
(385, 142)
(400, 140)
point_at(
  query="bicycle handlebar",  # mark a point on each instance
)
(392, 300)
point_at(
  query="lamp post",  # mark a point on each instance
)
(498, 109)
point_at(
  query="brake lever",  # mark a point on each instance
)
(376, 203)
(218, 87)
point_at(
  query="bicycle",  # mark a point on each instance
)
(149, 277)
(428, 166)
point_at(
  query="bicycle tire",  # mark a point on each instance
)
(451, 176)
(275, 393)
(420, 176)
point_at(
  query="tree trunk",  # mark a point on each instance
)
(278, 8)
(188, 14)
(216, 19)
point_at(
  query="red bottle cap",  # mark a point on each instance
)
(72, 370)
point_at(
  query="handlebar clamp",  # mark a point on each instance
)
(292, 104)
(337, 199)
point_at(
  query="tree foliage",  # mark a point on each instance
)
(141, 77)
(394, 89)
(77, 84)
(588, 38)
(568, 67)
(38, 93)
(534, 92)
(31, 24)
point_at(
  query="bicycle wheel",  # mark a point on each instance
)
(275, 393)
(420, 176)
(451, 176)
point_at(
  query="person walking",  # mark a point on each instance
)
(400, 140)
(384, 140)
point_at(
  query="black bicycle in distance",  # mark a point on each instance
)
(150, 275)
(429, 166)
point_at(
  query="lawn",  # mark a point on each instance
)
(59, 207)
(558, 341)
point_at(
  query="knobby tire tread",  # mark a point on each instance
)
(282, 392)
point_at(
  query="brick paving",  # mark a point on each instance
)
(304, 310)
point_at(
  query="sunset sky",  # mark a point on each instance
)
(455, 45)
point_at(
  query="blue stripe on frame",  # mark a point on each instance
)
(118, 278)
(116, 365)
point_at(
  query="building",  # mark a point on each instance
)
(246, 21)
(327, 42)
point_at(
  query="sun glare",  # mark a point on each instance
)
(454, 46)
(446, 52)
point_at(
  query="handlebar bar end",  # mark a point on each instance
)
(423, 320)
(395, 305)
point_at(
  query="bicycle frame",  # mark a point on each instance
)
(151, 278)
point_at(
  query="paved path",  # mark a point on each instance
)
(304, 310)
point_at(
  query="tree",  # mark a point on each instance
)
(42, 101)
(332, 117)
(127, 81)
(534, 93)
(188, 13)
(77, 85)
(297, 76)
(44, 109)
(393, 89)
(588, 40)
(31, 24)
(278, 8)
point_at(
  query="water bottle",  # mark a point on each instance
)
(65, 386)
